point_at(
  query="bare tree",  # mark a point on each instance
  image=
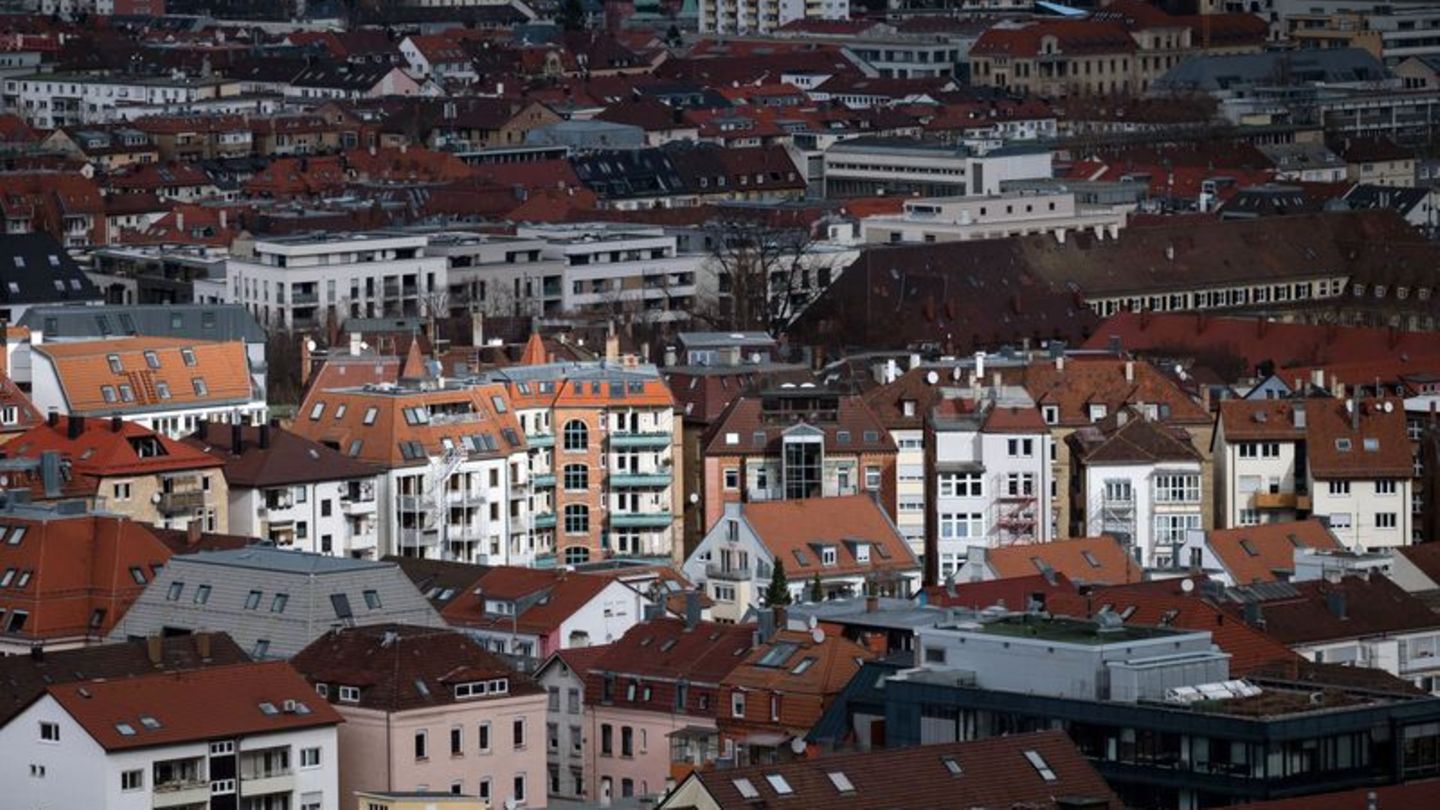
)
(763, 274)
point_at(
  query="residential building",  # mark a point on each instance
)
(1246, 555)
(428, 708)
(608, 269)
(1348, 462)
(35, 271)
(1137, 481)
(52, 100)
(66, 206)
(500, 274)
(164, 384)
(1418, 205)
(245, 735)
(455, 481)
(603, 445)
(1358, 620)
(1376, 160)
(994, 216)
(68, 575)
(651, 703)
(870, 166)
(753, 17)
(1213, 742)
(305, 281)
(563, 678)
(531, 614)
(848, 544)
(126, 469)
(271, 601)
(901, 403)
(1081, 560)
(1013, 771)
(292, 491)
(419, 800)
(344, 80)
(781, 689)
(795, 442)
(991, 475)
(26, 677)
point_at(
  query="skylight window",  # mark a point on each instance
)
(953, 766)
(805, 663)
(841, 782)
(149, 722)
(267, 708)
(1041, 766)
(778, 654)
(125, 729)
(779, 784)
(746, 788)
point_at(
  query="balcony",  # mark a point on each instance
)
(641, 520)
(181, 793)
(655, 479)
(419, 537)
(1282, 500)
(544, 520)
(349, 506)
(543, 481)
(176, 503)
(304, 298)
(651, 440)
(732, 573)
(540, 439)
(282, 781)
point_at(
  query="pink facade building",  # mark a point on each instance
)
(430, 710)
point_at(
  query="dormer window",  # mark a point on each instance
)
(1097, 412)
(862, 552)
(828, 555)
(908, 407)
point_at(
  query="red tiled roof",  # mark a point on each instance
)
(107, 447)
(1092, 560)
(791, 529)
(193, 706)
(564, 592)
(1319, 610)
(1254, 553)
(1072, 37)
(1014, 593)
(1409, 795)
(704, 654)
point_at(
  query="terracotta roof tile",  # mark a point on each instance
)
(552, 597)
(791, 530)
(1090, 560)
(704, 654)
(154, 373)
(109, 448)
(1319, 610)
(289, 457)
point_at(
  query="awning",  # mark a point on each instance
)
(693, 733)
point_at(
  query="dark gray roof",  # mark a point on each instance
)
(1236, 71)
(193, 321)
(1401, 200)
(35, 269)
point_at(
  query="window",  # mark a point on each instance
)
(519, 787)
(552, 736)
(152, 359)
(961, 525)
(577, 519)
(132, 780)
(370, 414)
(372, 600)
(309, 757)
(49, 732)
(277, 604)
(1020, 448)
(872, 477)
(732, 479)
(116, 367)
(202, 594)
(1170, 530)
(121, 491)
(137, 574)
(1177, 488)
(1339, 520)
(627, 741)
(172, 594)
(252, 600)
(422, 745)
(188, 355)
(1339, 487)
(517, 730)
(482, 736)
(577, 478)
(1385, 486)
(778, 783)
(1385, 520)
(576, 435)
(349, 694)
(737, 703)
(457, 741)
(1041, 766)
(961, 485)
(607, 740)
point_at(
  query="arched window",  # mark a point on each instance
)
(577, 435)
(577, 477)
(577, 519)
(575, 555)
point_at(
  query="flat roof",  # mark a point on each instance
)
(1070, 631)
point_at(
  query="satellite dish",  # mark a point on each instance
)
(310, 345)
(155, 498)
(364, 347)
(811, 622)
(1187, 585)
(1389, 407)
(4, 480)
(694, 497)
(817, 635)
(932, 377)
(798, 745)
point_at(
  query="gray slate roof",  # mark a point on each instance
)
(190, 321)
(1238, 71)
(310, 583)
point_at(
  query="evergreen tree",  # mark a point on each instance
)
(779, 591)
(817, 591)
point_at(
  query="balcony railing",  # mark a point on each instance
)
(640, 439)
(174, 503)
(1281, 500)
(734, 573)
(641, 520)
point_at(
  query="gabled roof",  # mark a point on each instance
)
(155, 373)
(998, 772)
(666, 648)
(1255, 553)
(759, 428)
(1088, 380)
(288, 458)
(193, 706)
(35, 269)
(25, 677)
(1136, 440)
(1086, 560)
(208, 322)
(544, 599)
(1371, 444)
(440, 581)
(775, 667)
(105, 448)
(403, 667)
(1317, 611)
(795, 531)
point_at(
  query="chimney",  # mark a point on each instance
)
(224, 219)
(180, 221)
(782, 617)
(237, 438)
(37, 653)
(116, 424)
(192, 532)
(4, 347)
(1355, 406)
(74, 427)
(1060, 362)
(1298, 409)
(1129, 371)
(50, 473)
(477, 328)
(202, 428)
(264, 436)
(53, 418)
(306, 361)
(612, 346)
(154, 647)
(692, 609)
(354, 343)
(202, 645)
(1335, 603)
(872, 603)
(1317, 377)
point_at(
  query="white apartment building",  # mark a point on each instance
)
(262, 741)
(297, 282)
(563, 679)
(1138, 481)
(764, 16)
(499, 274)
(992, 474)
(1348, 462)
(872, 166)
(52, 100)
(994, 216)
(631, 270)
